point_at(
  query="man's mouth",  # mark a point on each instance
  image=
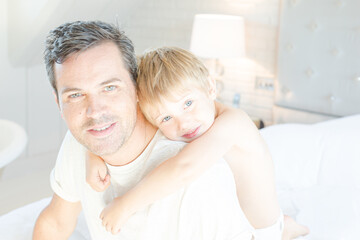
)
(192, 134)
(102, 131)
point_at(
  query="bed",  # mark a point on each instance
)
(318, 175)
(318, 83)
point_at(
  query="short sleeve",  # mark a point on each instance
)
(65, 178)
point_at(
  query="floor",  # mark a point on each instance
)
(25, 180)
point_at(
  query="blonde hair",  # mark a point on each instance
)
(165, 71)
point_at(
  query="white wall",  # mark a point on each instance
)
(168, 22)
(26, 96)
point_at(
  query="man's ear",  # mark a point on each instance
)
(57, 102)
(212, 88)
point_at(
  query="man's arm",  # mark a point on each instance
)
(58, 220)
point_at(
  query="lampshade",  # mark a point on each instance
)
(218, 36)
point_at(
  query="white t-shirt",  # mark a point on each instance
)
(206, 209)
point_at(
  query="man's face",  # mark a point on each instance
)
(97, 98)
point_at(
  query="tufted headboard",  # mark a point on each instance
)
(318, 69)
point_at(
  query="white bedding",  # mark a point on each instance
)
(19, 224)
(317, 175)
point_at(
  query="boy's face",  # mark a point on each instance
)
(186, 116)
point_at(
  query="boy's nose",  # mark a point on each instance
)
(183, 123)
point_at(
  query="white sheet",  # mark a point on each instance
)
(19, 224)
(318, 175)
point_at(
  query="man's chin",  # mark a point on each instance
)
(103, 150)
(102, 146)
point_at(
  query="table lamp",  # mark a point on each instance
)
(216, 36)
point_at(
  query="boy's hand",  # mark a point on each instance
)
(115, 215)
(96, 172)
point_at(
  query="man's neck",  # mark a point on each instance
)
(141, 136)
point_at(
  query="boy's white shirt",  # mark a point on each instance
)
(206, 209)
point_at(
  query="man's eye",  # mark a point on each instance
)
(188, 103)
(167, 118)
(110, 88)
(75, 95)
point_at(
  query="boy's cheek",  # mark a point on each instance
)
(170, 134)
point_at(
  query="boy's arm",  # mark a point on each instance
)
(234, 136)
(255, 182)
(57, 220)
(96, 172)
(253, 169)
(189, 163)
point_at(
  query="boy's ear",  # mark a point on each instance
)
(57, 103)
(212, 89)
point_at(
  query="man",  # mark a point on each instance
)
(92, 68)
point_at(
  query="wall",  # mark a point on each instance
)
(25, 94)
(26, 98)
(169, 22)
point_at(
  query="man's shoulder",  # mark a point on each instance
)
(164, 144)
(161, 148)
(70, 149)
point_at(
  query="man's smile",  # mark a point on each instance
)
(102, 131)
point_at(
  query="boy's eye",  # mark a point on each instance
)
(188, 103)
(110, 88)
(167, 118)
(75, 95)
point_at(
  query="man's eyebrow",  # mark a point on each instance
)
(66, 90)
(112, 80)
(69, 89)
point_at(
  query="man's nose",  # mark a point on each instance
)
(95, 107)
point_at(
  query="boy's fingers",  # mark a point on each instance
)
(105, 183)
(107, 177)
(115, 230)
(102, 174)
(106, 180)
(89, 179)
(98, 187)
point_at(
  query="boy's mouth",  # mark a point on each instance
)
(192, 133)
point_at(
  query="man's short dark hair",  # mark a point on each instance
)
(78, 36)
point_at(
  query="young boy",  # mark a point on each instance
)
(177, 96)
